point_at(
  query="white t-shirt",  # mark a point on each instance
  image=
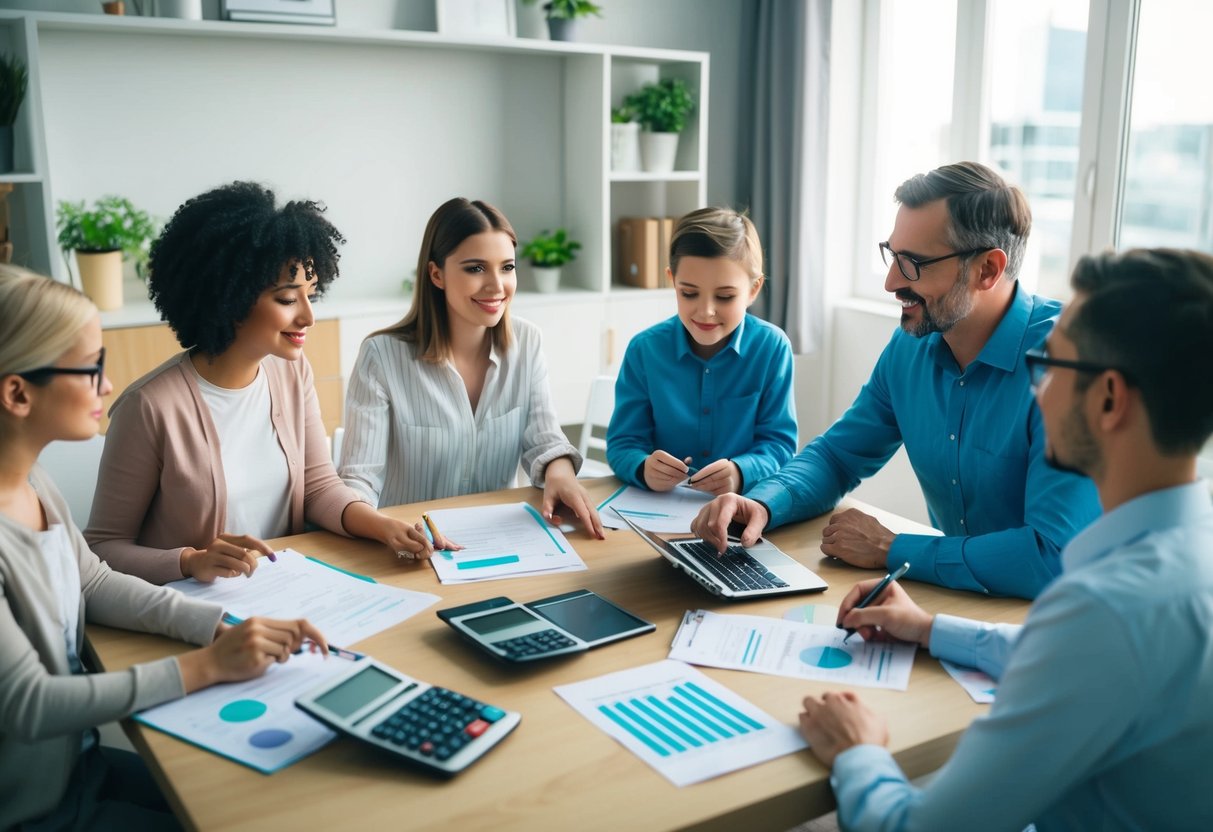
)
(254, 464)
(65, 579)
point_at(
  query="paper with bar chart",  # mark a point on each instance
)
(501, 541)
(980, 686)
(680, 722)
(664, 512)
(347, 608)
(789, 648)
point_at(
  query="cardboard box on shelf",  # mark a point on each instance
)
(637, 252)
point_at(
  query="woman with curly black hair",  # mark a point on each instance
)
(222, 445)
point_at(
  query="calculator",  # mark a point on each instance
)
(547, 628)
(430, 726)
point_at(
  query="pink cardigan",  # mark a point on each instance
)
(161, 486)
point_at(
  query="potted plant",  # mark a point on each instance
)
(563, 16)
(662, 109)
(625, 140)
(102, 238)
(13, 81)
(548, 252)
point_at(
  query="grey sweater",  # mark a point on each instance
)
(44, 708)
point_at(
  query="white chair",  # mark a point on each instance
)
(338, 438)
(73, 466)
(597, 415)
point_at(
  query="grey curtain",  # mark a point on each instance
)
(789, 46)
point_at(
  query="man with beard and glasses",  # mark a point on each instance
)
(952, 387)
(1102, 719)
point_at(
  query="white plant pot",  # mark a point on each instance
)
(182, 9)
(625, 146)
(658, 151)
(101, 277)
(546, 279)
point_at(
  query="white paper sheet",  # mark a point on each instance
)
(254, 723)
(683, 724)
(501, 541)
(345, 608)
(786, 648)
(978, 685)
(664, 512)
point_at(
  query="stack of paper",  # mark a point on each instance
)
(664, 512)
(680, 722)
(502, 541)
(346, 608)
(787, 648)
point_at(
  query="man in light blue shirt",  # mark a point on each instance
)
(1104, 712)
(951, 387)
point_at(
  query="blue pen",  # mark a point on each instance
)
(342, 652)
(875, 593)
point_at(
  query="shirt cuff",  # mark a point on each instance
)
(777, 499)
(857, 771)
(955, 639)
(934, 559)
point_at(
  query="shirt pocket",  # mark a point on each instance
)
(735, 421)
(499, 448)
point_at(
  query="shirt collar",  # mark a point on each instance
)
(1005, 348)
(736, 341)
(1181, 505)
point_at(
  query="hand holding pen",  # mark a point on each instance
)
(663, 471)
(880, 610)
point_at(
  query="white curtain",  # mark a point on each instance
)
(787, 161)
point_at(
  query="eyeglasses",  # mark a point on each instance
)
(1039, 362)
(96, 371)
(914, 271)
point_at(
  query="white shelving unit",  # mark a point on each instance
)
(382, 126)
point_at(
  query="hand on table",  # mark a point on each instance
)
(857, 538)
(720, 477)
(712, 522)
(227, 556)
(246, 650)
(561, 486)
(838, 721)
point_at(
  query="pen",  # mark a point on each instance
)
(429, 524)
(341, 652)
(875, 593)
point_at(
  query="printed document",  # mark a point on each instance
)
(664, 512)
(788, 648)
(345, 608)
(501, 541)
(981, 687)
(680, 722)
(254, 723)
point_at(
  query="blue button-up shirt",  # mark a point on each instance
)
(1104, 715)
(976, 442)
(737, 405)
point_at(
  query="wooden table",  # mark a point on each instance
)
(556, 771)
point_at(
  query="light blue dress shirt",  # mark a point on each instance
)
(977, 445)
(1104, 715)
(737, 405)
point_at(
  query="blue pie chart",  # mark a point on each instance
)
(830, 658)
(270, 738)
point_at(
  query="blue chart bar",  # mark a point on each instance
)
(688, 718)
(751, 648)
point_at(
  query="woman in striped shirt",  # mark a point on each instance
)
(451, 398)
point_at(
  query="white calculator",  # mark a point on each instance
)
(436, 728)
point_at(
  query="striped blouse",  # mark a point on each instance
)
(411, 435)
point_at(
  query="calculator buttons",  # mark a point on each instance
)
(476, 728)
(490, 714)
(438, 723)
(534, 644)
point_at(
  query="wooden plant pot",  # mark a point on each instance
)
(101, 277)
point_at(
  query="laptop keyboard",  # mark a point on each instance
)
(736, 568)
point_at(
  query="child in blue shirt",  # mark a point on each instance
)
(708, 393)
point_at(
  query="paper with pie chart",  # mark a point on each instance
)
(254, 723)
(790, 648)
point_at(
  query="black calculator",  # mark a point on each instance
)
(544, 629)
(433, 727)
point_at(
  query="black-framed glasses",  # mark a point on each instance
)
(1039, 362)
(42, 374)
(913, 271)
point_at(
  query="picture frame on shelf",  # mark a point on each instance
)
(314, 12)
(476, 18)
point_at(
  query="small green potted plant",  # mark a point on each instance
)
(114, 229)
(662, 109)
(548, 252)
(625, 139)
(563, 16)
(13, 82)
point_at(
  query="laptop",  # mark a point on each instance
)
(740, 572)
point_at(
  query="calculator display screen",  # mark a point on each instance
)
(483, 625)
(358, 690)
(589, 617)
